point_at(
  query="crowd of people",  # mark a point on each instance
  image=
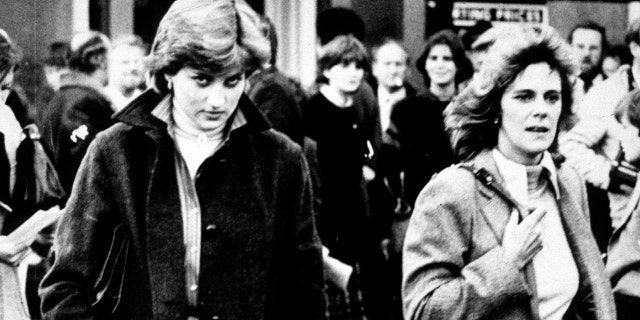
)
(198, 181)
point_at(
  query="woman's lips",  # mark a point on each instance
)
(537, 129)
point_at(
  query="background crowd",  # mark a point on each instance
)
(320, 207)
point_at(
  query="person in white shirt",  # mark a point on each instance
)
(389, 70)
(126, 70)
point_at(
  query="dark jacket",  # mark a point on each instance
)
(280, 99)
(71, 120)
(260, 254)
(341, 135)
(416, 144)
(454, 266)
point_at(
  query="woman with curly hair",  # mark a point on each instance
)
(505, 234)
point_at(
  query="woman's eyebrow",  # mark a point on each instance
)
(523, 90)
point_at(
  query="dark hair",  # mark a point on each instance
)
(629, 106)
(464, 68)
(621, 52)
(10, 54)
(88, 51)
(592, 25)
(473, 33)
(213, 36)
(58, 54)
(341, 50)
(470, 116)
(338, 21)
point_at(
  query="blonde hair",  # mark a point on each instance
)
(213, 36)
(470, 118)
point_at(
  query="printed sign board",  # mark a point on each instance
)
(466, 14)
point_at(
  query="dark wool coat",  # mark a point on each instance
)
(260, 254)
(79, 104)
(280, 99)
(455, 268)
(341, 138)
(416, 143)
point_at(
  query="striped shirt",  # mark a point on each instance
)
(188, 149)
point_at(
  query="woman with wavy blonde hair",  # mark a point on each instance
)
(505, 234)
(191, 207)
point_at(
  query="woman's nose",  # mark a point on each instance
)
(215, 96)
(541, 107)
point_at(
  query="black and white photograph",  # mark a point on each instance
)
(319, 159)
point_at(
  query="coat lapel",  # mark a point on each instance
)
(165, 248)
(491, 203)
(593, 284)
(496, 210)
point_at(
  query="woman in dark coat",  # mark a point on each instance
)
(80, 108)
(213, 207)
(345, 132)
(22, 261)
(505, 234)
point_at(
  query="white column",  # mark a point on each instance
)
(307, 42)
(413, 25)
(121, 18)
(633, 10)
(295, 26)
(80, 9)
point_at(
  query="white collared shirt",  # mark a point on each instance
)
(386, 101)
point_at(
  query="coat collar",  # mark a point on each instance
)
(79, 79)
(574, 221)
(139, 113)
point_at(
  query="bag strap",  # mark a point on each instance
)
(484, 177)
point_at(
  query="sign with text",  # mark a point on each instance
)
(466, 14)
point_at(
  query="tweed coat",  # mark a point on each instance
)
(260, 253)
(454, 265)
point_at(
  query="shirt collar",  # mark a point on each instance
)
(163, 112)
(515, 175)
(386, 95)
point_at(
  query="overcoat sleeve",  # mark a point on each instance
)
(439, 281)
(303, 296)
(81, 248)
